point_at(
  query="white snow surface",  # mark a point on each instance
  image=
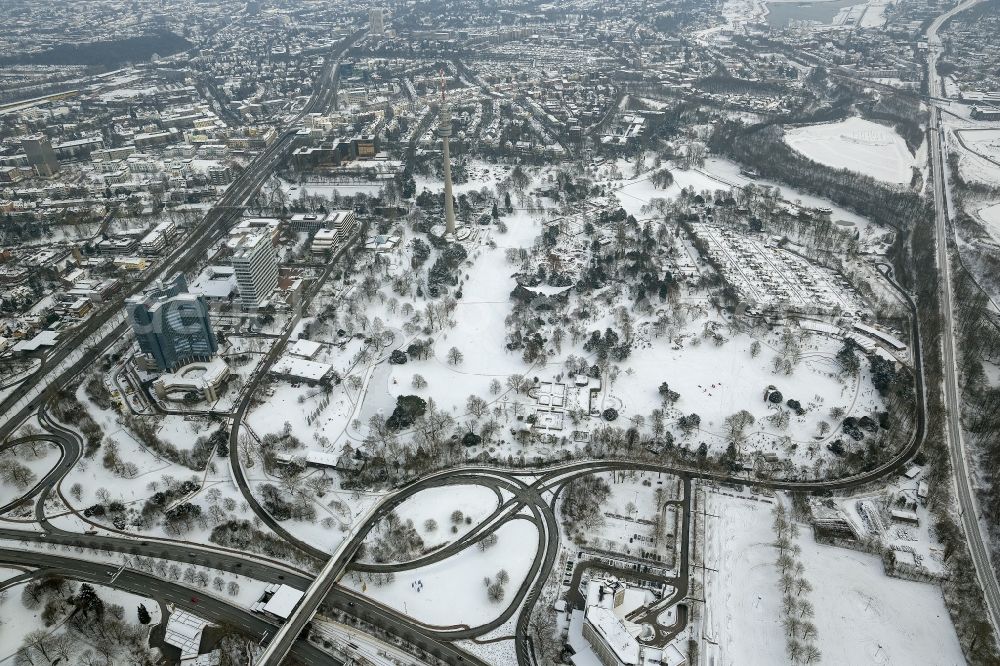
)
(452, 591)
(475, 502)
(743, 610)
(888, 620)
(862, 615)
(856, 144)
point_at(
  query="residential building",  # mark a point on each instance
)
(156, 239)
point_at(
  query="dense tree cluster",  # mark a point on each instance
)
(278, 504)
(445, 268)
(408, 409)
(242, 535)
(68, 409)
(583, 500)
(96, 632)
(392, 540)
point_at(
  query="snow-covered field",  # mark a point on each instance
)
(479, 331)
(437, 504)
(862, 615)
(889, 621)
(990, 215)
(182, 431)
(294, 405)
(984, 142)
(874, 16)
(743, 600)
(330, 190)
(716, 381)
(973, 167)
(856, 144)
(451, 592)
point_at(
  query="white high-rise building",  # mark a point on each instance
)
(376, 21)
(256, 264)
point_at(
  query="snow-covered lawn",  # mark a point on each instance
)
(632, 499)
(437, 504)
(856, 144)
(479, 331)
(284, 406)
(294, 191)
(182, 431)
(889, 621)
(19, 621)
(479, 334)
(973, 166)
(451, 592)
(743, 607)
(985, 142)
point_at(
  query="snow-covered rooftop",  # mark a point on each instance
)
(304, 348)
(283, 601)
(300, 368)
(614, 634)
(184, 632)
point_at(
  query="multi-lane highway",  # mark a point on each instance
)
(964, 476)
(203, 605)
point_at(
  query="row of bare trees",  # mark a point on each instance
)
(796, 609)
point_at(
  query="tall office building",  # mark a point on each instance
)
(40, 155)
(256, 264)
(172, 325)
(444, 131)
(376, 21)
